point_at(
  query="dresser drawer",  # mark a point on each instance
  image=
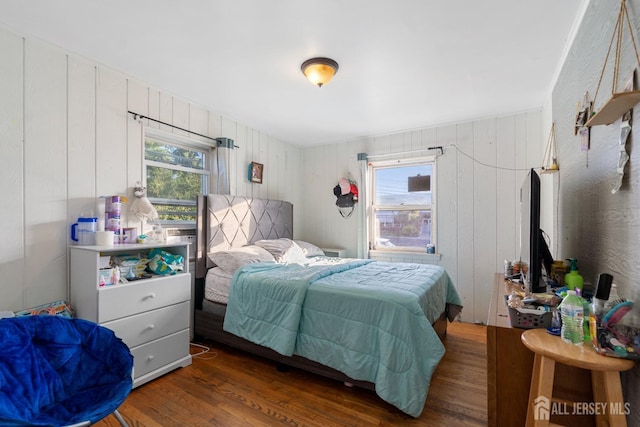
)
(151, 325)
(118, 301)
(156, 354)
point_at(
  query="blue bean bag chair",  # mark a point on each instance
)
(57, 371)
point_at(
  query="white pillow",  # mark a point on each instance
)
(285, 251)
(309, 249)
(231, 260)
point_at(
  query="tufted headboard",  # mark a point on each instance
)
(225, 222)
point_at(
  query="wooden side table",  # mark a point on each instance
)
(608, 407)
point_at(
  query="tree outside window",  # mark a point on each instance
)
(176, 173)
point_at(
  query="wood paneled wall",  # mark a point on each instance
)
(599, 228)
(478, 195)
(66, 139)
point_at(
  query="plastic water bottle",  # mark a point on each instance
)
(572, 312)
(586, 313)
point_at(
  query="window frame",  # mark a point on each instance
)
(162, 137)
(374, 208)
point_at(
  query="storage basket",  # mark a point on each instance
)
(621, 335)
(527, 318)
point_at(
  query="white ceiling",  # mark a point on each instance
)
(404, 64)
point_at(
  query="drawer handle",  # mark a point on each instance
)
(150, 357)
(151, 326)
(152, 295)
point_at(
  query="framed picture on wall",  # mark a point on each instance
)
(255, 172)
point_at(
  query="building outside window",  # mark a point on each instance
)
(177, 170)
(402, 205)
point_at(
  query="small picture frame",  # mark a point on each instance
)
(584, 138)
(628, 87)
(255, 172)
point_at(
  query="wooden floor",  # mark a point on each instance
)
(226, 387)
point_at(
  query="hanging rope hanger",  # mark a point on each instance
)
(550, 160)
(620, 102)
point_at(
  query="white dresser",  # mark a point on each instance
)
(152, 316)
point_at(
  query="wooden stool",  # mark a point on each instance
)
(605, 377)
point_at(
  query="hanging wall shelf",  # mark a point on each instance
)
(620, 102)
(614, 108)
(550, 161)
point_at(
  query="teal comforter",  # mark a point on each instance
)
(369, 320)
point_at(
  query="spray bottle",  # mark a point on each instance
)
(573, 279)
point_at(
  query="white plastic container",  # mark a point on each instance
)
(83, 232)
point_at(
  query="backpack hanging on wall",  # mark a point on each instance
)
(346, 193)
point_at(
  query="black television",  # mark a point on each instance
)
(533, 246)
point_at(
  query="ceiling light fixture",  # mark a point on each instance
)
(319, 70)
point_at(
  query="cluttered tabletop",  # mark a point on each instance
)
(599, 318)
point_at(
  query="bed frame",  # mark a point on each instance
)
(226, 222)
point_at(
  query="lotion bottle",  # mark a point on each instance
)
(573, 279)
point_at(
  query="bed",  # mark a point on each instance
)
(261, 291)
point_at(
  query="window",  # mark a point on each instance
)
(177, 171)
(402, 205)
